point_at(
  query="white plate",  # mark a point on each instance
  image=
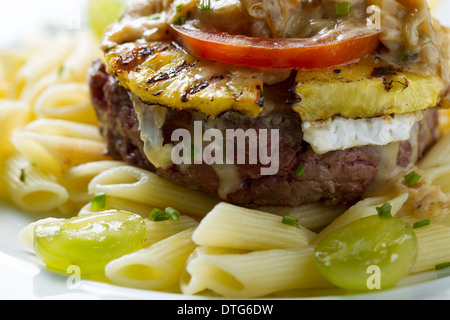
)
(22, 275)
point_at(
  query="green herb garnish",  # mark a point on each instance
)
(22, 176)
(173, 213)
(343, 8)
(162, 215)
(442, 266)
(179, 7)
(412, 178)
(98, 202)
(290, 221)
(301, 168)
(205, 5)
(384, 212)
(180, 20)
(410, 57)
(155, 16)
(422, 223)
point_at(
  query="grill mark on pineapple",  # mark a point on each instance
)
(193, 90)
(131, 60)
(196, 88)
(388, 85)
(380, 72)
(172, 73)
(260, 100)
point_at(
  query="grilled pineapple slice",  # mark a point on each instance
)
(369, 88)
(164, 74)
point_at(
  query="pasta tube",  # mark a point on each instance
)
(157, 267)
(257, 273)
(76, 180)
(146, 187)
(68, 101)
(231, 226)
(30, 188)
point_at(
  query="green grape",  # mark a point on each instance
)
(89, 241)
(101, 13)
(352, 256)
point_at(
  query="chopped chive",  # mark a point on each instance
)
(384, 212)
(205, 5)
(61, 70)
(290, 221)
(162, 215)
(179, 7)
(158, 215)
(98, 202)
(343, 8)
(412, 178)
(173, 214)
(155, 16)
(22, 176)
(422, 223)
(410, 57)
(442, 266)
(301, 168)
(180, 20)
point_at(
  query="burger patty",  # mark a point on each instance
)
(333, 178)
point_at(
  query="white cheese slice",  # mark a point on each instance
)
(341, 133)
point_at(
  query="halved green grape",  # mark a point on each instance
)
(89, 241)
(101, 13)
(370, 253)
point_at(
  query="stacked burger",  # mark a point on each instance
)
(351, 88)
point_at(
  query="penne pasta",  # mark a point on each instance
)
(257, 273)
(191, 285)
(75, 67)
(69, 129)
(40, 65)
(157, 267)
(438, 155)
(146, 187)
(30, 188)
(439, 176)
(312, 216)
(231, 226)
(68, 101)
(433, 243)
(14, 115)
(57, 154)
(76, 180)
(160, 230)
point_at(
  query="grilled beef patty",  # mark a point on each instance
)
(334, 178)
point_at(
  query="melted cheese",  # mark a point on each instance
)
(229, 179)
(151, 119)
(340, 133)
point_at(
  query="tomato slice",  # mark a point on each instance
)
(336, 48)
